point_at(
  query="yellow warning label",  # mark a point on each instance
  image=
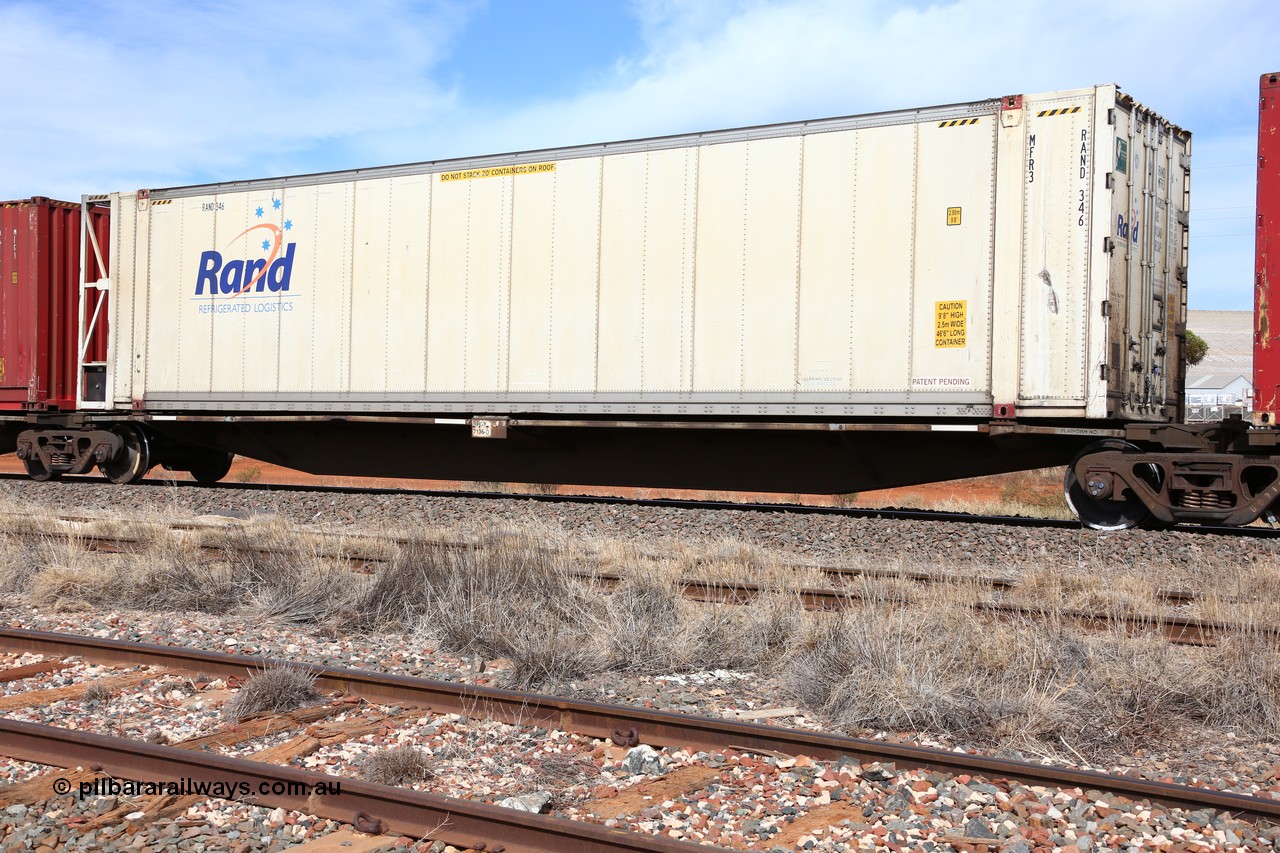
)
(498, 172)
(958, 122)
(1, 368)
(13, 278)
(953, 216)
(949, 323)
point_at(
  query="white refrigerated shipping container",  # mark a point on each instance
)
(1015, 257)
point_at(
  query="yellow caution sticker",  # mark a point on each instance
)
(1, 368)
(950, 323)
(953, 216)
(498, 172)
(1062, 111)
(958, 122)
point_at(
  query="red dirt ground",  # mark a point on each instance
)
(978, 490)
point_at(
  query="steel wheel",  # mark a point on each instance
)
(1113, 513)
(212, 467)
(133, 461)
(37, 471)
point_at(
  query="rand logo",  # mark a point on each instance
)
(270, 272)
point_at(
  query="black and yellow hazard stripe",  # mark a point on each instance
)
(958, 122)
(1058, 112)
(156, 201)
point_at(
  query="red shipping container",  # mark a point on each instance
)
(39, 301)
(1266, 287)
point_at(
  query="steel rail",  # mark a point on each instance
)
(367, 806)
(888, 513)
(628, 725)
(1181, 630)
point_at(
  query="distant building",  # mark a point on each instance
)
(1219, 388)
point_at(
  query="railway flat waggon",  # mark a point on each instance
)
(822, 306)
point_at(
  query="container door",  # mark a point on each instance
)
(1150, 188)
(17, 307)
(1058, 187)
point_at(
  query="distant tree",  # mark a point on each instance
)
(1196, 349)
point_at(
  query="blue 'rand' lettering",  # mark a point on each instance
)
(230, 277)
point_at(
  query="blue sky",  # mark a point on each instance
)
(121, 94)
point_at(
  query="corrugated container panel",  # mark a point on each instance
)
(39, 301)
(719, 300)
(302, 340)
(647, 271)
(184, 318)
(883, 259)
(467, 332)
(771, 257)
(450, 250)
(255, 329)
(372, 289)
(628, 252)
(408, 222)
(330, 350)
(825, 325)
(670, 228)
(533, 277)
(952, 275)
(575, 274)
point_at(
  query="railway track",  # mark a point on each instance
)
(890, 513)
(843, 573)
(469, 825)
(1179, 629)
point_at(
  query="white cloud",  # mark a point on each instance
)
(146, 94)
(724, 63)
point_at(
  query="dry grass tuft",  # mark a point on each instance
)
(399, 592)
(558, 774)
(170, 576)
(274, 690)
(949, 673)
(1067, 588)
(511, 596)
(1243, 687)
(399, 765)
(1027, 686)
(96, 694)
